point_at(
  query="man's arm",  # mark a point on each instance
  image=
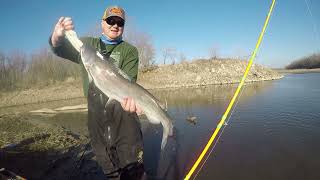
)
(61, 46)
(63, 24)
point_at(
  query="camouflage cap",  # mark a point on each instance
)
(114, 11)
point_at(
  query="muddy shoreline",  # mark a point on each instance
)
(42, 151)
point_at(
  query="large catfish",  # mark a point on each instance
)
(114, 83)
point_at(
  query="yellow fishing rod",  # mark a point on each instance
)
(225, 115)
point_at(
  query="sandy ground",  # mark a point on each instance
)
(60, 91)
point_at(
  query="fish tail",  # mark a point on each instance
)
(164, 140)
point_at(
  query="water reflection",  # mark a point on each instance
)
(207, 95)
(205, 103)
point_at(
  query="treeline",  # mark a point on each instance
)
(19, 70)
(309, 62)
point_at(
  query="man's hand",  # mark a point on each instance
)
(129, 105)
(64, 24)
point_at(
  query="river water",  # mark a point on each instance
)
(272, 133)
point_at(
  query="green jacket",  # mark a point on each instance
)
(125, 56)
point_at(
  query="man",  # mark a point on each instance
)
(114, 129)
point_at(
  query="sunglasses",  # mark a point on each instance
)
(113, 20)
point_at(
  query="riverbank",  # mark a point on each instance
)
(203, 73)
(196, 73)
(297, 71)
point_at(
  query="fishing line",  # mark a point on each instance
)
(315, 29)
(225, 115)
(216, 142)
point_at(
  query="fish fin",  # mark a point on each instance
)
(142, 116)
(164, 141)
(162, 105)
(166, 108)
(100, 55)
(90, 78)
(109, 102)
(153, 121)
(166, 134)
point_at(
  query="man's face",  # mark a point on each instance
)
(113, 27)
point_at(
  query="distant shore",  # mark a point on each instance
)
(297, 71)
(194, 74)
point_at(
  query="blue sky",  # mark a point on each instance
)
(191, 27)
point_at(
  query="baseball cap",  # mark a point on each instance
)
(114, 11)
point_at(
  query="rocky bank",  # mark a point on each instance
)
(204, 72)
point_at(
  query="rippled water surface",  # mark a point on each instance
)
(273, 132)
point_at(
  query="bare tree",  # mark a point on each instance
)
(182, 58)
(213, 52)
(169, 53)
(165, 53)
(241, 54)
(17, 70)
(173, 56)
(3, 73)
(307, 62)
(2, 65)
(45, 67)
(19, 60)
(16, 65)
(142, 41)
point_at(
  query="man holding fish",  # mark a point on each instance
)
(113, 127)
